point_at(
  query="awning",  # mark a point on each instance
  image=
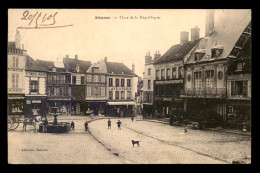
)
(121, 103)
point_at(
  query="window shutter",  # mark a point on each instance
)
(13, 80)
(17, 80)
(245, 85)
(232, 88)
(17, 61)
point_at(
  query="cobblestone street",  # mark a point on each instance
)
(160, 143)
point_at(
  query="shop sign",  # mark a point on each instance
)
(12, 69)
(36, 101)
(19, 90)
(120, 88)
(169, 81)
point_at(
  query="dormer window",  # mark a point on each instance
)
(216, 51)
(54, 69)
(199, 54)
(240, 66)
(95, 69)
(77, 68)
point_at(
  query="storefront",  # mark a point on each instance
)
(36, 106)
(167, 106)
(148, 110)
(16, 104)
(121, 109)
(97, 107)
(64, 105)
(238, 112)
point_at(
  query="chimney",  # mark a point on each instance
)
(157, 55)
(195, 33)
(17, 40)
(133, 68)
(148, 58)
(76, 57)
(184, 37)
(209, 27)
(105, 59)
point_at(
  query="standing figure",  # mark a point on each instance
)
(109, 124)
(25, 123)
(72, 125)
(132, 118)
(35, 124)
(86, 126)
(185, 129)
(119, 125)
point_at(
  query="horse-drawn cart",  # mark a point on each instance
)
(13, 121)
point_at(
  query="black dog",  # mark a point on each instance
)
(135, 142)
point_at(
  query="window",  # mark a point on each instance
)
(82, 80)
(149, 84)
(240, 66)
(52, 91)
(198, 56)
(103, 91)
(110, 95)
(67, 78)
(149, 98)
(128, 82)
(95, 69)
(157, 74)
(102, 78)
(15, 61)
(209, 79)
(74, 79)
(117, 82)
(96, 91)
(15, 80)
(122, 95)
(96, 78)
(149, 71)
(197, 80)
(174, 75)
(122, 82)
(89, 78)
(34, 86)
(216, 52)
(66, 93)
(128, 95)
(168, 72)
(162, 74)
(54, 78)
(239, 88)
(60, 91)
(88, 91)
(49, 79)
(62, 78)
(181, 72)
(117, 94)
(110, 81)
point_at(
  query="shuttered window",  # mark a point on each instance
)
(245, 85)
(232, 88)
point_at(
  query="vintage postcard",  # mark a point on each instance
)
(129, 86)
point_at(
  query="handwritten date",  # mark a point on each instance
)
(39, 18)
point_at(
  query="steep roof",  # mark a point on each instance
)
(229, 25)
(176, 52)
(48, 65)
(71, 64)
(118, 68)
(33, 65)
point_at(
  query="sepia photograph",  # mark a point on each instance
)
(129, 86)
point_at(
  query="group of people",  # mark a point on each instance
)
(118, 124)
(72, 125)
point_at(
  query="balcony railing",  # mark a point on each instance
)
(207, 92)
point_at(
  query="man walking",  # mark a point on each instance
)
(109, 124)
(119, 125)
(72, 125)
(132, 118)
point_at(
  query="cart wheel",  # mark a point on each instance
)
(10, 123)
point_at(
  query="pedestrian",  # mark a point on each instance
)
(25, 122)
(119, 125)
(86, 126)
(132, 118)
(185, 129)
(109, 124)
(72, 125)
(45, 123)
(35, 124)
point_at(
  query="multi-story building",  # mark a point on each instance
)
(206, 64)
(148, 84)
(35, 88)
(239, 81)
(121, 88)
(16, 75)
(78, 69)
(58, 86)
(169, 75)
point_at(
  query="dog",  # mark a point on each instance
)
(135, 142)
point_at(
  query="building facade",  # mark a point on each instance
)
(35, 88)
(16, 74)
(206, 65)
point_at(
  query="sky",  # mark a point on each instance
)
(121, 35)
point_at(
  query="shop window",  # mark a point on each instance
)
(129, 82)
(110, 95)
(34, 86)
(117, 82)
(117, 94)
(122, 82)
(110, 82)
